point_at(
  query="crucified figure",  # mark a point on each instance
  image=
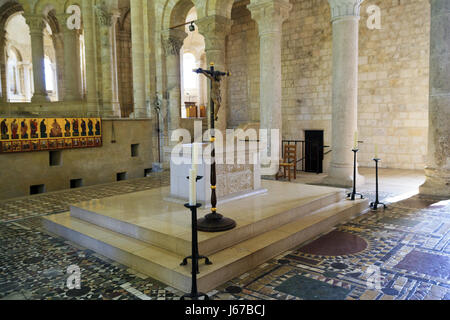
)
(215, 77)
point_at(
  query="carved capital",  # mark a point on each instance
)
(269, 14)
(172, 41)
(36, 23)
(215, 30)
(104, 18)
(344, 8)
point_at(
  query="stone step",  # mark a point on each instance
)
(228, 263)
(156, 232)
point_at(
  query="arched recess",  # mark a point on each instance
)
(175, 13)
(18, 59)
(193, 86)
(7, 10)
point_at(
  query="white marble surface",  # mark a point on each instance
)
(229, 176)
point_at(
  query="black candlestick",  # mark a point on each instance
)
(214, 222)
(194, 295)
(374, 205)
(354, 193)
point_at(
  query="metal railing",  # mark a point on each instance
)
(301, 153)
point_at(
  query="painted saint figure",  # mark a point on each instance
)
(14, 130)
(83, 128)
(76, 131)
(91, 128)
(55, 131)
(97, 128)
(4, 130)
(67, 128)
(43, 129)
(24, 129)
(34, 129)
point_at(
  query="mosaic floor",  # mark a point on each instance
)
(400, 253)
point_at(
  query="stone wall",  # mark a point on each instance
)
(393, 77)
(94, 165)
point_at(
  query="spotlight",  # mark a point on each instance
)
(192, 27)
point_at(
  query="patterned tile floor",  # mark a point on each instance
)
(400, 253)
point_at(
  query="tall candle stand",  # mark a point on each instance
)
(374, 205)
(194, 295)
(353, 194)
(214, 222)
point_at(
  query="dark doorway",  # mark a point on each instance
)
(121, 176)
(76, 183)
(37, 189)
(314, 151)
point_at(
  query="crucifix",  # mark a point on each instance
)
(214, 222)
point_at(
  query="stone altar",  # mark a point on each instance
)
(234, 181)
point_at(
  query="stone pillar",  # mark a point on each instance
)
(437, 171)
(91, 57)
(172, 43)
(137, 50)
(345, 23)
(3, 89)
(215, 30)
(110, 103)
(71, 67)
(37, 25)
(58, 43)
(269, 15)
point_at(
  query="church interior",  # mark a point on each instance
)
(225, 149)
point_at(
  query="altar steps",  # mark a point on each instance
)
(157, 234)
(229, 262)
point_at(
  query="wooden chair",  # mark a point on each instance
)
(288, 164)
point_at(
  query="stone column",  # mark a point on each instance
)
(4, 93)
(345, 24)
(137, 50)
(37, 25)
(91, 57)
(110, 103)
(215, 30)
(58, 43)
(172, 43)
(71, 67)
(437, 171)
(269, 15)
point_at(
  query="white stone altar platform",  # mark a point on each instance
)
(234, 181)
(144, 232)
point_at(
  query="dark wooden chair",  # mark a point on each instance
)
(288, 165)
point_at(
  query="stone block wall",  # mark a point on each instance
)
(393, 77)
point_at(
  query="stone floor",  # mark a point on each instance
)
(400, 253)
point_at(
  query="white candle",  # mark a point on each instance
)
(376, 151)
(355, 146)
(195, 157)
(192, 187)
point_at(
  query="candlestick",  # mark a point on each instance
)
(192, 187)
(355, 145)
